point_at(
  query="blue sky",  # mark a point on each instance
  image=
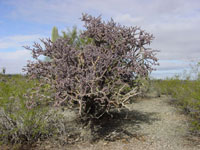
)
(175, 25)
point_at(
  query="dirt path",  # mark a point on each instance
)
(168, 131)
(155, 125)
(151, 124)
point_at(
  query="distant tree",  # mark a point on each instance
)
(75, 37)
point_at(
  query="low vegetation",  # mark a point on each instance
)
(185, 92)
(18, 123)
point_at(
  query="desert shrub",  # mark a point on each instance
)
(21, 119)
(96, 76)
(20, 125)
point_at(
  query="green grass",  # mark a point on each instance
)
(186, 94)
(13, 85)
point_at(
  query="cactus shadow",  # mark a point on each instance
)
(123, 124)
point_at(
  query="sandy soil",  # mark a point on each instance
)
(151, 124)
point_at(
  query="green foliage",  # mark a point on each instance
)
(73, 35)
(185, 94)
(18, 122)
(47, 59)
(75, 39)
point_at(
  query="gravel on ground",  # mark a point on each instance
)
(150, 124)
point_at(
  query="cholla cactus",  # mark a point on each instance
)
(99, 75)
(54, 34)
(54, 37)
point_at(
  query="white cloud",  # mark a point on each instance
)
(14, 61)
(11, 57)
(178, 40)
(175, 24)
(128, 19)
(167, 65)
(17, 41)
(46, 11)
